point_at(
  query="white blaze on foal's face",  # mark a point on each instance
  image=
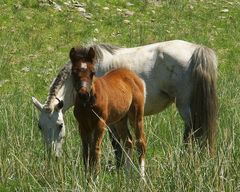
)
(83, 65)
(52, 126)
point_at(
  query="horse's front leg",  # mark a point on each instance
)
(96, 148)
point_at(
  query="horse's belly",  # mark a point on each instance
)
(156, 102)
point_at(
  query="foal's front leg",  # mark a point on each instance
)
(96, 147)
(115, 140)
(125, 136)
(86, 141)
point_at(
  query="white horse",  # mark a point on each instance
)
(173, 71)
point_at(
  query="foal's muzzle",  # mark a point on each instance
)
(85, 97)
(83, 92)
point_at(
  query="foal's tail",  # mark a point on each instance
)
(203, 65)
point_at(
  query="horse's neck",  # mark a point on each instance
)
(67, 94)
(103, 65)
(106, 62)
(123, 57)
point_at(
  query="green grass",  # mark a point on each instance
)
(34, 44)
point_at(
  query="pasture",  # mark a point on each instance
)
(35, 39)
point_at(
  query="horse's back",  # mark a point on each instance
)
(172, 68)
(163, 66)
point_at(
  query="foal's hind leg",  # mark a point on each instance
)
(141, 143)
(125, 136)
(137, 120)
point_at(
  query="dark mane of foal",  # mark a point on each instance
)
(66, 70)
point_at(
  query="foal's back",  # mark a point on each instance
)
(119, 90)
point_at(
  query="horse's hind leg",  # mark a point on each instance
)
(191, 135)
(184, 111)
(115, 140)
(125, 136)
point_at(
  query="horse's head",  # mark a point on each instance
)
(52, 126)
(83, 71)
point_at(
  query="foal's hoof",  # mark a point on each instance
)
(110, 166)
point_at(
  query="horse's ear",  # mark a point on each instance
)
(72, 54)
(91, 53)
(37, 104)
(59, 105)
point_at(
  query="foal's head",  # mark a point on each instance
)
(83, 71)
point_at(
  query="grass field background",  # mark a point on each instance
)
(35, 39)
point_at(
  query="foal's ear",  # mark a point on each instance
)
(59, 105)
(91, 53)
(72, 54)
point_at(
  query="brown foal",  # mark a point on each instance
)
(112, 99)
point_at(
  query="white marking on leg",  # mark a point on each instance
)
(142, 167)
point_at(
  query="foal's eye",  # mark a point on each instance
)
(92, 74)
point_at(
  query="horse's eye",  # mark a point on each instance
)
(60, 126)
(39, 126)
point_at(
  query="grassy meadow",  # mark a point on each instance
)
(35, 39)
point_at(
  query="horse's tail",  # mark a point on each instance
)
(203, 65)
